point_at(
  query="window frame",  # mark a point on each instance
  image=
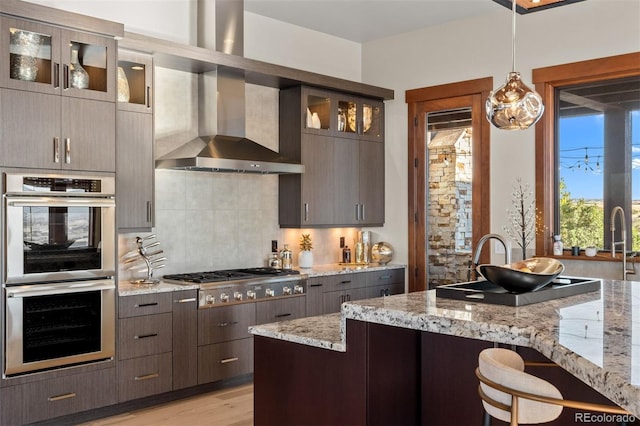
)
(546, 81)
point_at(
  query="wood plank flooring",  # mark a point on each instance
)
(226, 407)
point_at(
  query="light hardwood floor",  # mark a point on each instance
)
(226, 407)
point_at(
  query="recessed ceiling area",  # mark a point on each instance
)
(366, 20)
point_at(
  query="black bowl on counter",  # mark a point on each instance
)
(523, 276)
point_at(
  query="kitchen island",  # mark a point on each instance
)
(410, 358)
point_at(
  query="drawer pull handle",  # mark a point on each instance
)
(283, 315)
(226, 324)
(227, 360)
(345, 282)
(316, 285)
(384, 277)
(192, 299)
(144, 305)
(61, 397)
(146, 376)
(144, 336)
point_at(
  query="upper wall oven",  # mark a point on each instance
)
(58, 228)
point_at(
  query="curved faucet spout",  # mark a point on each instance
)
(615, 212)
(484, 239)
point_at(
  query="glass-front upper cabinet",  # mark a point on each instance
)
(43, 58)
(360, 118)
(135, 81)
(318, 116)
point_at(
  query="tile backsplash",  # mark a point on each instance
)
(208, 221)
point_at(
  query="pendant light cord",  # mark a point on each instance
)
(513, 36)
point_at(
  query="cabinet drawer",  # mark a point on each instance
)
(225, 360)
(385, 277)
(144, 304)
(140, 377)
(225, 323)
(280, 309)
(70, 394)
(347, 281)
(141, 336)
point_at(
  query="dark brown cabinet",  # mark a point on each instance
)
(340, 140)
(316, 286)
(135, 155)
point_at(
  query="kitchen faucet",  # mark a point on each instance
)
(484, 239)
(617, 210)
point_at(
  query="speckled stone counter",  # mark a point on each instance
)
(126, 288)
(594, 336)
(337, 269)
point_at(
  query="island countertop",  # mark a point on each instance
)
(594, 336)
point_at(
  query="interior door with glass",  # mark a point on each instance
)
(451, 188)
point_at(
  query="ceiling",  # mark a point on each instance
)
(366, 20)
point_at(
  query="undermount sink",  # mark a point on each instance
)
(486, 292)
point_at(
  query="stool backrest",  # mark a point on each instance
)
(506, 369)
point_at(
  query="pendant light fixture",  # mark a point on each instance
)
(514, 106)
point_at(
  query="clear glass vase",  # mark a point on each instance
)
(78, 77)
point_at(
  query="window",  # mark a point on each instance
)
(588, 151)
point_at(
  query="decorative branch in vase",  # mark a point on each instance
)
(523, 217)
(305, 257)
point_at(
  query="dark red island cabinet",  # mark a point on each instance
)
(387, 376)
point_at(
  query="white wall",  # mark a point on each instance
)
(481, 47)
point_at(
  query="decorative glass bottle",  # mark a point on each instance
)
(78, 77)
(557, 246)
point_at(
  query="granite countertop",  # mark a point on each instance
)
(126, 288)
(594, 336)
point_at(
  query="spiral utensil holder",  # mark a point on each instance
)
(152, 259)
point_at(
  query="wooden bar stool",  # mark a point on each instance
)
(511, 395)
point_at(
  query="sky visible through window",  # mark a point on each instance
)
(581, 155)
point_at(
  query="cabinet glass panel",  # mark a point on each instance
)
(371, 120)
(131, 82)
(318, 112)
(347, 117)
(87, 67)
(30, 56)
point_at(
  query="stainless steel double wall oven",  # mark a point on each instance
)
(58, 273)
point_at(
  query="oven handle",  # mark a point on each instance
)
(58, 288)
(60, 202)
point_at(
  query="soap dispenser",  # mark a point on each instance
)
(557, 246)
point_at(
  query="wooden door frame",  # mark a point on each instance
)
(481, 219)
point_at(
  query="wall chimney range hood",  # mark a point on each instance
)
(222, 99)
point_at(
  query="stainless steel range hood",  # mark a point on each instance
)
(222, 99)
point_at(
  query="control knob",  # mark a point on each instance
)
(224, 297)
(237, 296)
(209, 299)
(269, 292)
(286, 290)
(251, 294)
(298, 289)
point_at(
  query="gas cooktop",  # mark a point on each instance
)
(229, 275)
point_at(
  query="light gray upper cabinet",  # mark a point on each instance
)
(134, 163)
(340, 140)
(57, 98)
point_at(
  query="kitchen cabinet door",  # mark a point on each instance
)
(135, 82)
(225, 360)
(371, 188)
(30, 130)
(135, 170)
(144, 376)
(346, 205)
(39, 59)
(89, 135)
(145, 335)
(333, 300)
(45, 131)
(289, 308)
(316, 287)
(225, 323)
(185, 339)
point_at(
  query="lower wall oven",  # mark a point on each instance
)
(58, 324)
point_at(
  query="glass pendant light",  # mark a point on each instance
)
(514, 106)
